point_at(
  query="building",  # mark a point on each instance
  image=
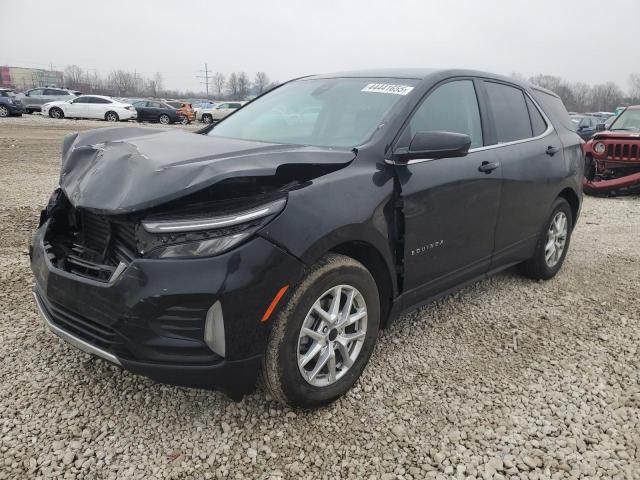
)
(25, 78)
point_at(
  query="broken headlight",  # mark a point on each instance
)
(200, 236)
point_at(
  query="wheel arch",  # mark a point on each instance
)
(373, 260)
(574, 202)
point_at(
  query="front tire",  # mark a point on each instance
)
(553, 243)
(111, 117)
(323, 338)
(206, 118)
(56, 112)
(164, 119)
(4, 111)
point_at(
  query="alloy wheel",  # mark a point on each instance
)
(556, 239)
(112, 117)
(4, 111)
(332, 335)
(164, 119)
(55, 113)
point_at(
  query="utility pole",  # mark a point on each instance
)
(206, 78)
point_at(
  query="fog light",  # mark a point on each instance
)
(214, 329)
(599, 148)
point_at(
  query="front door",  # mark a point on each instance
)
(450, 205)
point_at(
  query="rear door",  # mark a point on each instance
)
(449, 205)
(527, 147)
(35, 98)
(97, 107)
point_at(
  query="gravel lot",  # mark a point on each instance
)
(507, 379)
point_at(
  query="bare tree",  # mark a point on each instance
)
(73, 77)
(218, 81)
(260, 83)
(243, 86)
(606, 97)
(634, 82)
(121, 83)
(232, 86)
(581, 93)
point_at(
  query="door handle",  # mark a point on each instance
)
(551, 151)
(488, 167)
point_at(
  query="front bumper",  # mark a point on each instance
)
(15, 109)
(150, 320)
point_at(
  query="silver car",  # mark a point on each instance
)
(36, 97)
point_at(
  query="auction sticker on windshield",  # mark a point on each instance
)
(387, 88)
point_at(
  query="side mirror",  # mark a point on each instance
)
(601, 127)
(432, 145)
(27, 94)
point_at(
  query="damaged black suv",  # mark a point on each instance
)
(278, 242)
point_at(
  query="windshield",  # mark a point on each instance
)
(627, 120)
(335, 112)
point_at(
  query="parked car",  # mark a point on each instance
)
(587, 126)
(90, 106)
(612, 156)
(36, 97)
(217, 113)
(202, 105)
(187, 110)
(154, 111)
(262, 246)
(9, 103)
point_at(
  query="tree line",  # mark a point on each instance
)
(122, 83)
(582, 97)
(577, 96)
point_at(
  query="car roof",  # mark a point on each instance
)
(98, 96)
(426, 73)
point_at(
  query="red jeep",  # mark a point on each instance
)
(612, 157)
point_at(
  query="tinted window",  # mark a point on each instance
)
(99, 100)
(234, 105)
(81, 100)
(537, 121)
(224, 105)
(452, 107)
(140, 104)
(510, 112)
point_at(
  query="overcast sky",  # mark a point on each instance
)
(581, 40)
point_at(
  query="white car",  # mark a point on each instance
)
(91, 106)
(210, 115)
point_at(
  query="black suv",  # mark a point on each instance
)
(9, 103)
(278, 242)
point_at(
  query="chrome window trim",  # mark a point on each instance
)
(550, 129)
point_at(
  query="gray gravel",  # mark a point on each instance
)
(507, 379)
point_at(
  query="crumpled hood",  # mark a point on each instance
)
(122, 169)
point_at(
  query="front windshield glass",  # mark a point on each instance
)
(628, 120)
(334, 112)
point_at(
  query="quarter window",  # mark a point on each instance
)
(510, 113)
(452, 107)
(537, 121)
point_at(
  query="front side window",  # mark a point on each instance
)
(452, 107)
(510, 113)
(81, 100)
(327, 112)
(38, 91)
(99, 100)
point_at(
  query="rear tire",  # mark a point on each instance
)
(56, 112)
(206, 118)
(111, 117)
(164, 119)
(547, 258)
(343, 344)
(4, 111)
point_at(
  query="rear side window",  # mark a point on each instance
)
(537, 121)
(510, 113)
(452, 107)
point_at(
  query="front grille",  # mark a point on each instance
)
(96, 334)
(95, 245)
(623, 151)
